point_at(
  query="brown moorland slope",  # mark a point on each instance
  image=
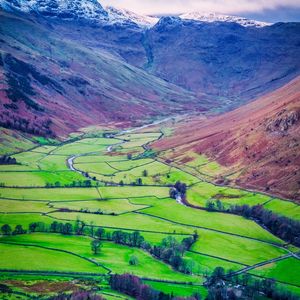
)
(260, 140)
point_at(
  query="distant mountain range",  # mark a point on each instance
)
(66, 64)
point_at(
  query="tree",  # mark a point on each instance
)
(67, 229)
(96, 246)
(210, 205)
(139, 181)
(32, 227)
(145, 173)
(133, 260)
(100, 233)
(129, 156)
(19, 230)
(6, 229)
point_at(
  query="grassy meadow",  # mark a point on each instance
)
(122, 185)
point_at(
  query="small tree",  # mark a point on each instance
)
(6, 229)
(96, 246)
(145, 173)
(129, 156)
(19, 230)
(133, 260)
(100, 233)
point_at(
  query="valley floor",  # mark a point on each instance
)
(117, 182)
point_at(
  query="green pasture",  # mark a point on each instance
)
(113, 256)
(117, 206)
(182, 290)
(39, 178)
(100, 158)
(206, 265)
(284, 208)
(97, 168)
(12, 206)
(240, 250)
(130, 221)
(133, 191)
(286, 270)
(50, 194)
(21, 258)
(169, 209)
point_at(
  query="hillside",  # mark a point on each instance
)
(51, 85)
(259, 141)
(87, 65)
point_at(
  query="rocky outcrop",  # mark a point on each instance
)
(283, 121)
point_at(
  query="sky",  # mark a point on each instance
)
(263, 10)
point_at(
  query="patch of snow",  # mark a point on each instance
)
(214, 17)
(120, 15)
(87, 9)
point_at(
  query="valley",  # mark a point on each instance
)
(149, 156)
(120, 184)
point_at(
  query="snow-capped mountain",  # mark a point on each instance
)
(214, 17)
(92, 10)
(119, 15)
(65, 9)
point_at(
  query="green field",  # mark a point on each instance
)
(284, 208)
(287, 271)
(116, 202)
(38, 259)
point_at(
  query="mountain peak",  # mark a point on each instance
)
(120, 15)
(214, 17)
(65, 9)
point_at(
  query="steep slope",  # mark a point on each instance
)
(52, 82)
(231, 62)
(260, 141)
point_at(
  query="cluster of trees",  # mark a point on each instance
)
(215, 205)
(133, 286)
(179, 189)
(63, 228)
(78, 295)
(7, 160)
(223, 286)
(134, 239)
(283, 227)
(57, 184)
(171, 252)
(7, 230)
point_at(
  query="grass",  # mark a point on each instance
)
(130, 221)
(131, 191)
(233, 248)
(39, 178)
(180, 290)
(158, 216)
(171, 210)
(15, 257)
(44, 194)
(79, 148)
(117, 206)
(11, 206)
(286, 270)
(112, 256)
(208, 264)
(23, 219)
(129, 164)
(284, 208)
(100, 168)
(200, 193)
